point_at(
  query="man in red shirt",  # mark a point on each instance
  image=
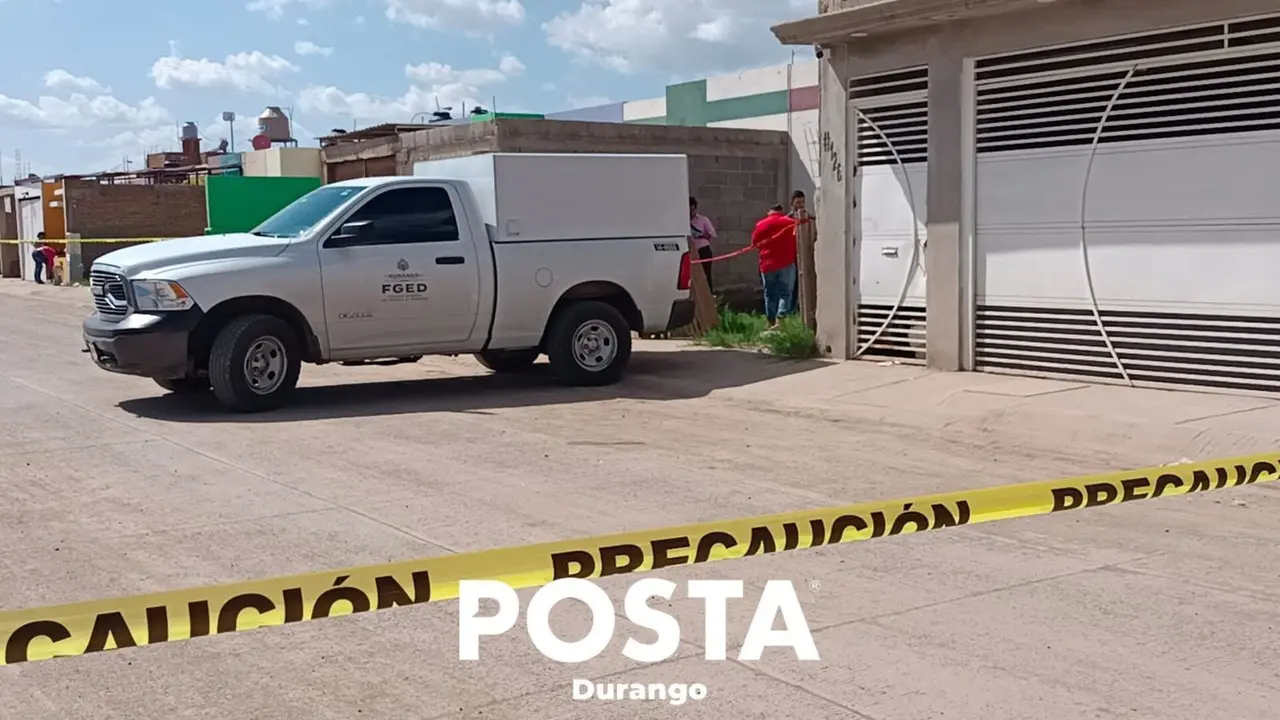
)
(775, 239)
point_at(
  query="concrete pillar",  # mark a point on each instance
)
(943, 257)
(834, 248)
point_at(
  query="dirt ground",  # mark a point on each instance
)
(1162, 610)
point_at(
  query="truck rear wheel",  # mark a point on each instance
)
(589, 344)
(254, 363)
(184, 386)
(508, 361)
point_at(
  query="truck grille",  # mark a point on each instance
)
(108, 294)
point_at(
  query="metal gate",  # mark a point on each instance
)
(891, 139)
(1127, 209)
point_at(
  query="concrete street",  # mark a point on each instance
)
(1163, 610)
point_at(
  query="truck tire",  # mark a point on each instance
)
(254, 363)
(184, 386)
(508, 361)
(589, 344)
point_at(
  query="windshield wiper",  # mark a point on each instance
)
(259, 233)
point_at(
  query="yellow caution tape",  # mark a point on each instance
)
(94, 626)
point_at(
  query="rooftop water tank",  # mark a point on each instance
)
(275, 125)
(190, 131)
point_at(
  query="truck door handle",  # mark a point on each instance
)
(451, 260)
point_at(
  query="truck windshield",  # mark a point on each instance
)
(307, 211)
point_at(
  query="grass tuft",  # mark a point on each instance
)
(750, 330)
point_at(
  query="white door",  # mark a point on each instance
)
(890, 114)
(409, 280)
(30, 224)
(1128, 210)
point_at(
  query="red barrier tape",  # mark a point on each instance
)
(726, 256)
(748, 248)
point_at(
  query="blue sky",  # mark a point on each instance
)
(91, 82)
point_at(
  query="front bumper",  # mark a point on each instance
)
(150, 345)
(682, 312)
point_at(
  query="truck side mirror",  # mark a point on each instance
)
(354, 233)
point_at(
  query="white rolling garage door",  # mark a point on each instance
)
(1128, 209)
(890, 174)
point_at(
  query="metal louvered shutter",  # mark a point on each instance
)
(1078, 113)
(891, 117)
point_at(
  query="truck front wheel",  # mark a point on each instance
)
(254, 363)
(589, 344)
(508, 361)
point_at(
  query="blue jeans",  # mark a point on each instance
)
(38, 258)
(779, 292)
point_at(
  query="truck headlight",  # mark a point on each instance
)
(160, 296)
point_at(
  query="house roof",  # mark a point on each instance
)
(864, 18)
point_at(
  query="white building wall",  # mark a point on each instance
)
(644, 109)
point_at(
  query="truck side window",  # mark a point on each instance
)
(410, 215)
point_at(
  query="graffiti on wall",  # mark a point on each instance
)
(832, 155)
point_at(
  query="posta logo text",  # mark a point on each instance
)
(778, 599)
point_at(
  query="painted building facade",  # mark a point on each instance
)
(781, 97)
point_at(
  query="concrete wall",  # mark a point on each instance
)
(599, 113)
(736, 174)
(945, 49)
(281, 162)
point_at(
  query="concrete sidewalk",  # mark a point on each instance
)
(1161, 610)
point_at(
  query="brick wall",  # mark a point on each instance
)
(735, 193)
(95, 210)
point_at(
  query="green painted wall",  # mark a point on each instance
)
(239, 204)
(486, 117)
(746, 106)
(687, 105)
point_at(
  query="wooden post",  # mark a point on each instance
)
(806, 237)
(705, 314)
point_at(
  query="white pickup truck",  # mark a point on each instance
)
(507, 256)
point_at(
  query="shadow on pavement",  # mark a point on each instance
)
(653, 375)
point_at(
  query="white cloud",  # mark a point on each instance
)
(677, 37)
(80, 111)
(160, 138)
(360, 20)
(472, 16)
(306, 47)
(511, 66)
(63, 80)
(275, 9)
(430, 83)
(434, 73)
(247, 71)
